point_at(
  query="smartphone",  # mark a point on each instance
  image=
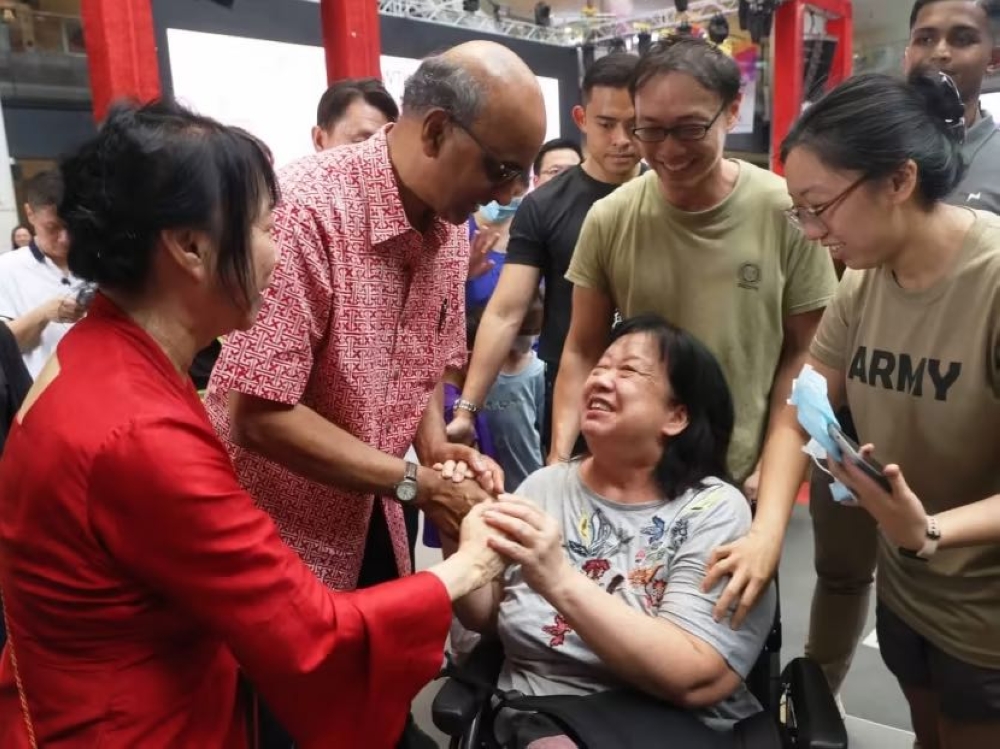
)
(849, 450)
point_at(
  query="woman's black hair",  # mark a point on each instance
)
(155, 167)
(873, 124)
(15, 230)
(697, 383)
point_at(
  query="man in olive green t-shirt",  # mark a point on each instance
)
(703, 241)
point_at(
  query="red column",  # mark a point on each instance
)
(351, 39)
(788, 59)
(789, 54)
(121, 51)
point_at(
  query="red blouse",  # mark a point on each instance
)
(137, 574)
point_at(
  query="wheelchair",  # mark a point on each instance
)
(799, 711)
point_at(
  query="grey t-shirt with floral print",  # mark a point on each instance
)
(654, 557)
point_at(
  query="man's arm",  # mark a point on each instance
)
(593, 311)
(28, 328)
(498, 328)
(430, 435)
(300, 439)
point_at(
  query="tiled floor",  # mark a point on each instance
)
(878, 715)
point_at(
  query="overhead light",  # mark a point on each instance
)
(681, 5)
(718, 29)
(543, 14)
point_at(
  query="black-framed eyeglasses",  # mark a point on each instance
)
(800, 216)
(686, 133)
(497, 170)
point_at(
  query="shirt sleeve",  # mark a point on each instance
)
(717, 516)
(166, 505)
(526, 244)
(587, 268)
(831, 343)
(810, 278)
(274, 359)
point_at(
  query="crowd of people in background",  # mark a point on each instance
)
(574, 363)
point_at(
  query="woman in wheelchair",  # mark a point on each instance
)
(608, 551)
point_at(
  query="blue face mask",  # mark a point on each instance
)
(815, 414)
(495, 213)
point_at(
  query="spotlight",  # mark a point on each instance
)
(543, 14)
(470, 6)
(718, 29)
(224, 3)
(681, 5)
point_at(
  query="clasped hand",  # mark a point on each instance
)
(462, 478)
(530, 537)
(513, 527)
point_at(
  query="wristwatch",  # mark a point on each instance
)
(406, 490)
(463, 405)
(931, 539)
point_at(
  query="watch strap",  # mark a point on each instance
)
(463, 405)
(410, 473)
(932, 537)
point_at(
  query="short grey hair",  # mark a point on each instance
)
(441, 84)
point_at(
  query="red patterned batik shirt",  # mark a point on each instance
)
(362, 318)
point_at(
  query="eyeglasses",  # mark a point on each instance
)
(803, 215)
(684, 133)
(497, 170)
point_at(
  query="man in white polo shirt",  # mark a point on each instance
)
(38, 294)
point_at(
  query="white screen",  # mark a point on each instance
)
(272, 88)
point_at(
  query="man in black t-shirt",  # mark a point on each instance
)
(543, 236)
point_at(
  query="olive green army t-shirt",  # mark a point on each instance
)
(923, 385)
(730, 275)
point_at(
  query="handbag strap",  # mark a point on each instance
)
(17, 679)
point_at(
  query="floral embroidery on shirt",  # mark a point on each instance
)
(595, 568)
(597, 537)
(558, 631)
(655, 530)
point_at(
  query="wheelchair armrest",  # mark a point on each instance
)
(458, 702)
(812, 715)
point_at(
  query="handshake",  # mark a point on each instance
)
(461, 479)
(465, 500)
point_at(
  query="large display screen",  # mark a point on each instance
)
(272, 88)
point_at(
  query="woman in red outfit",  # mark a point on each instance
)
(140, 580)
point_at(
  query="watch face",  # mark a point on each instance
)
(406, 491)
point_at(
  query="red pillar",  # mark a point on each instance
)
(351, 39)
(789, 51)
(789, 59)
(121, 51)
